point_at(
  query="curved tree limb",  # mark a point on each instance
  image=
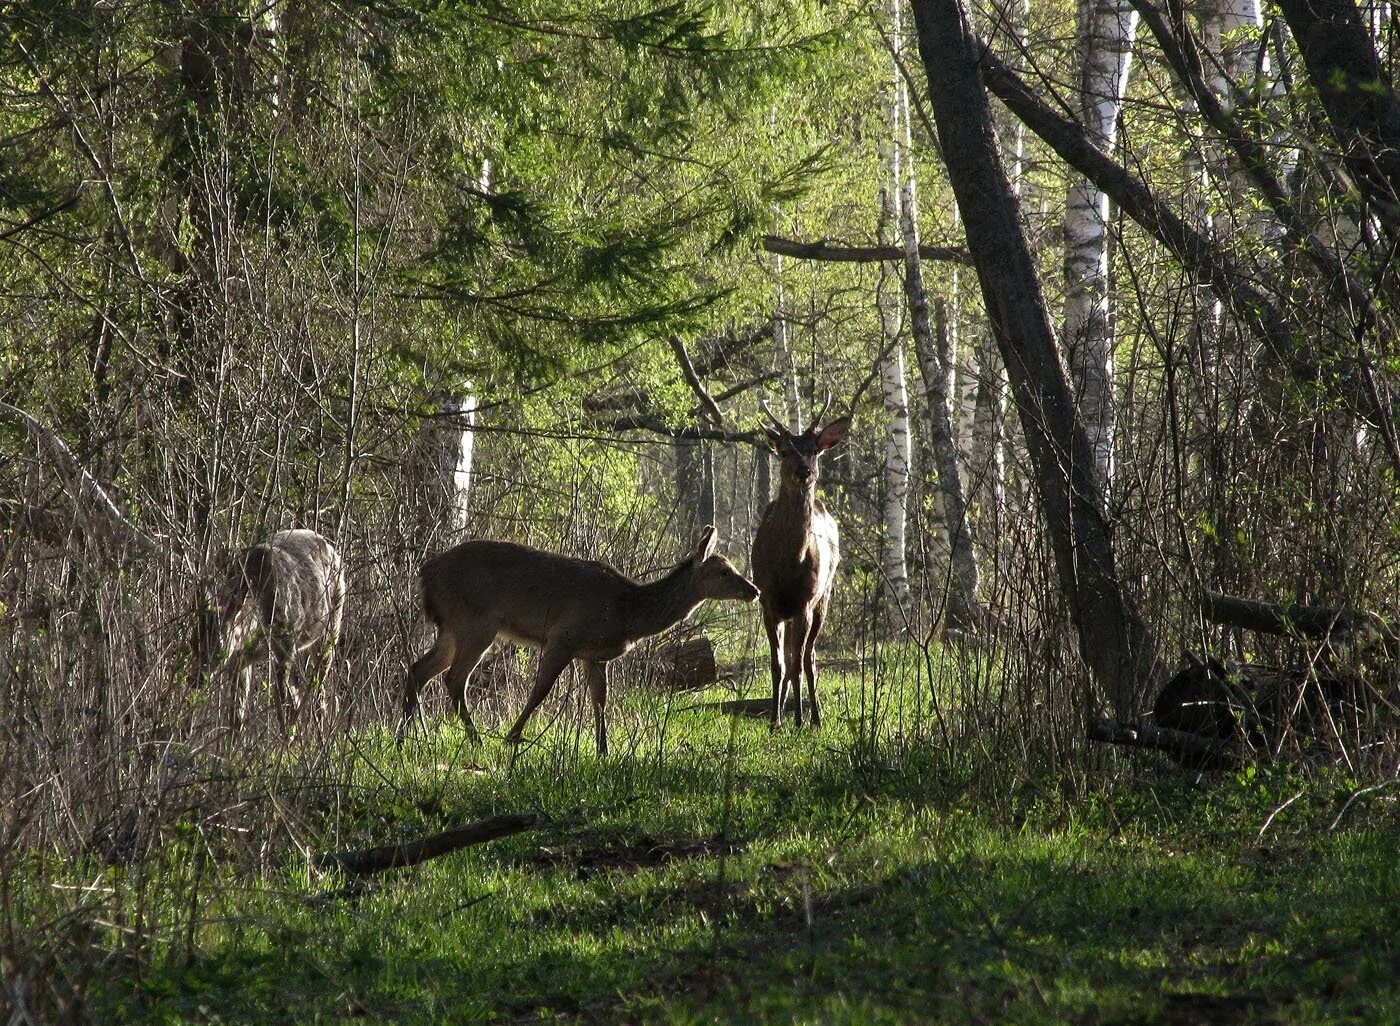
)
(98, 513)
(707, 402)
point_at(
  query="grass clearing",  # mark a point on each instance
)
(712, 872)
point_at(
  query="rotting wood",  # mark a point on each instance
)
(687, 665)
(365, 861)
(1309, 621)
(1188, 749)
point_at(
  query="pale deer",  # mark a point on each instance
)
(795, 553)
(276, 600)
(567, 608)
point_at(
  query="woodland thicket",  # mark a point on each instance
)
(1108, 288)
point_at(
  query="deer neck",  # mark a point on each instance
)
(798, 503)
(660, 604)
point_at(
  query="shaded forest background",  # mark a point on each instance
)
(408, 273)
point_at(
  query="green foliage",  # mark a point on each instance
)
(713, 870)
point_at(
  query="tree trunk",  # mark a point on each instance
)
(895, 501)
(455, 470)
(1362, 107)
(1106, 31)
(986, 491)
(962, 600)
(1114, 641)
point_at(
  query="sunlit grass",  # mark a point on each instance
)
(710, 870)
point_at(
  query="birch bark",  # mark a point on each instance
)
(895, 505)
(935, 363)
(1106, 32)
(1113, 639)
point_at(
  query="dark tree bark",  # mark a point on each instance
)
(397, 856)
(835, 253)
(1114, 641)
(1361, 106)
(1308, 621)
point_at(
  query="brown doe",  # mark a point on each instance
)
(567, 608)
(276, 600)
(795, 553)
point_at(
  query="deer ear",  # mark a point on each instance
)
(774, 439)
(705, 545)
(833, 433)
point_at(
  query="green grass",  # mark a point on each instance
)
(719, 874)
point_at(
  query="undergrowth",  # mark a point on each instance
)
(712, 871)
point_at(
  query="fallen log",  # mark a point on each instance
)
(1186, 748)
(365, 861)
(1310, 621)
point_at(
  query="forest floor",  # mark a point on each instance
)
(708, 871)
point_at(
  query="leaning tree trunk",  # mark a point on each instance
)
(1114, 640)
(934, 355)
(1106, 31)
(963, 610)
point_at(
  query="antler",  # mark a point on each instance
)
(818, 418)
(763, 405)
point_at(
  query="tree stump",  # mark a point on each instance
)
(687, 665)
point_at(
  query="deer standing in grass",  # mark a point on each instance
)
(277, 599)
(567, 608)
(795, 553)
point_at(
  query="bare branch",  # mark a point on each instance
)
(365, 861)
(99, 513)
(646, 422)
(707, 402)
(831, 252)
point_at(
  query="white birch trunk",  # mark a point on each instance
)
(454, 440)
(455, 469)
(897, 455)
(893, 563)
(1106, 31)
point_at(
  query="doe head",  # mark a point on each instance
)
(715, 575)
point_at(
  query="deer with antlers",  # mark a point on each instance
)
(795, 553)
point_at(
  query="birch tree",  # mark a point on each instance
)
(1113, 639)
(1105, 39)
(895, 504)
